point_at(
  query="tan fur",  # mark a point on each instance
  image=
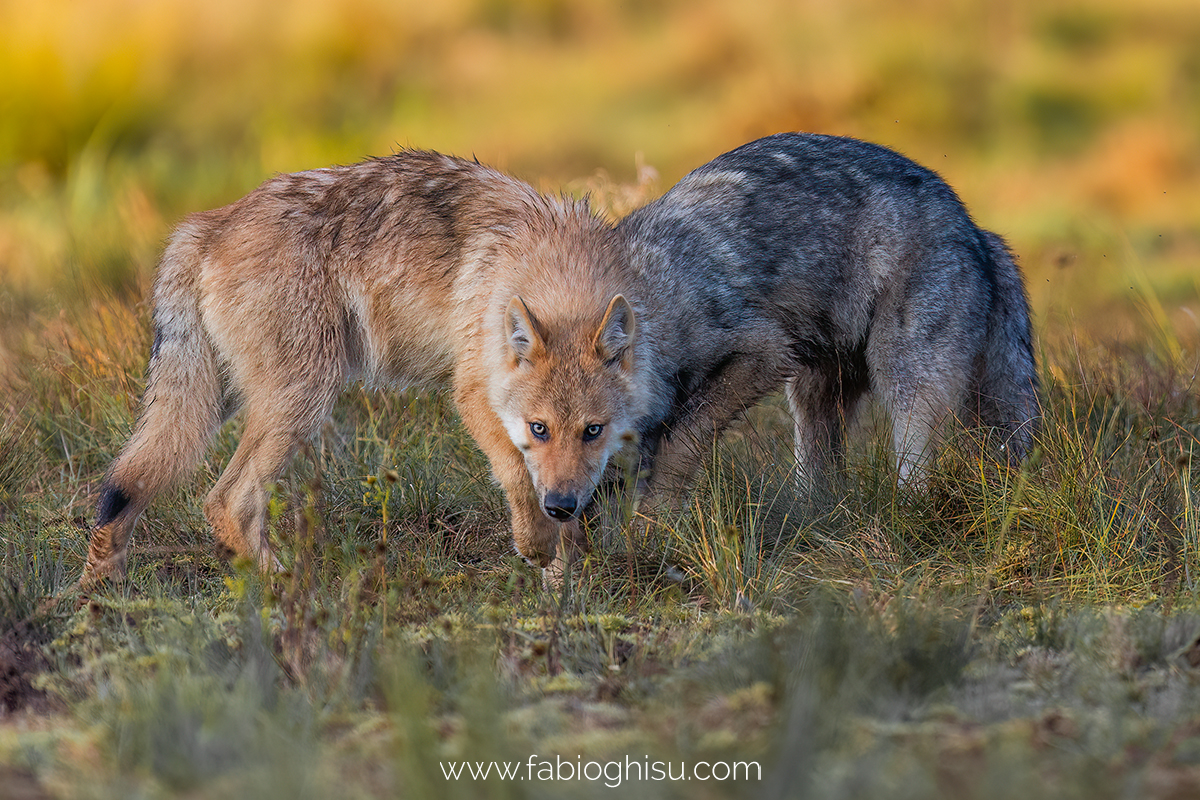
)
(407, 270)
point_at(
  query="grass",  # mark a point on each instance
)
(998, 633)
(1029, 633)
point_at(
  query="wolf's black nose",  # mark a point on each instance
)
(560, 506)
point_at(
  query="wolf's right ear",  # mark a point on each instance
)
(524, 341)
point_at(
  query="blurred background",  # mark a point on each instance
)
(1072, 128)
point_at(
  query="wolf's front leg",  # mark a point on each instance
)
(701, 418)
(535, 536)
(540, 540)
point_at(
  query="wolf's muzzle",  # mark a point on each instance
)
(561, 507)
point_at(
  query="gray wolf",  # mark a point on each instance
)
(415, 269)
(834, 269)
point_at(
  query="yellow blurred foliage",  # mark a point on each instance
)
(1072, 128)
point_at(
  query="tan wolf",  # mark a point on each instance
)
(415, 269)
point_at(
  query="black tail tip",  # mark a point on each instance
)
(113, 501)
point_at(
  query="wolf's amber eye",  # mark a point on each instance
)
(539, 430)
(592, 431)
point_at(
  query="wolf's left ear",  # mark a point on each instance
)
(614, 337)
(524, 341)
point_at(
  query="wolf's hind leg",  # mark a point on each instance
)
(921, 397)
(925, 339)
(822, 403)
(236, 507)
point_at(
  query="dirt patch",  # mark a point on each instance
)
(20, 661)
(21, 784)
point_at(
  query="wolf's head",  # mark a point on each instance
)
(571, 398)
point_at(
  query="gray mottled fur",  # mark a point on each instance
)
(834, 268)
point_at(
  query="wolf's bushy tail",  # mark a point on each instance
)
(181, 409)
(1008, 388)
